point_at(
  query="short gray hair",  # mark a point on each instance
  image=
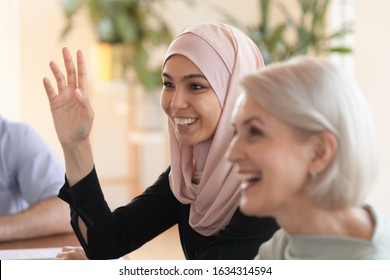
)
(314, 95)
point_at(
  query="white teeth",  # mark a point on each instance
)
(245, 177)
(185, 121)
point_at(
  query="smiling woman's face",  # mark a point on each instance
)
(189, 101)
(272, 159)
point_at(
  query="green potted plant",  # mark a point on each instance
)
(132, 28)
(294, 35)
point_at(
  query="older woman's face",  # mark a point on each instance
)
(189, 101)
(271, 158)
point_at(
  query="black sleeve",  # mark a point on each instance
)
(114, 234)
(241, 238)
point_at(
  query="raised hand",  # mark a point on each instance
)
(70, 107)
(72, 114)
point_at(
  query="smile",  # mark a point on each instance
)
(250, 177)
(185, 121)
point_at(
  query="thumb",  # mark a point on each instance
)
(82, 97)
(83, 100)
(79, 94)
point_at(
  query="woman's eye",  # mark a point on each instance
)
(167, 85)
(254, 131)
(196, 87)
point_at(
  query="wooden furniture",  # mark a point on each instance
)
(68, 239)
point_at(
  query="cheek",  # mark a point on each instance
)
(278, 165)
(210, 113)
(290, 171)
(216, 111)
(260, 154)
(165, 102)
(214, 119)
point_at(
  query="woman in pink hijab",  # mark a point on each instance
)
(200, 190)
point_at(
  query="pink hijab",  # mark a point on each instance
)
(223, 54)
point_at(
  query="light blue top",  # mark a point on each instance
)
(29, 170)
(284, 246)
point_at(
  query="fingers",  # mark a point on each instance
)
(82, 72)
(64, 256)
(70, 69)
(50, 92)
(74, 82)
(69, 248)
(64, 253)
(71, 253)
(60, 78)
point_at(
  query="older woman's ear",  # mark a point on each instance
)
(325, 146)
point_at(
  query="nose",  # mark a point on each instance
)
(234, 153)
(179, 99)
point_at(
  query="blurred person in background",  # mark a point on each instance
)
(199, 191)
(304, 147)
(31, 175)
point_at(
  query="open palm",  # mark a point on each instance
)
(70, 107)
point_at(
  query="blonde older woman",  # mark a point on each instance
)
(305, 152)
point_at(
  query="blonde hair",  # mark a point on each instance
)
(314, 95)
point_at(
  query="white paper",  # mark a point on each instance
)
(30, 254)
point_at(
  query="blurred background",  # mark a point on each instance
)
(124, 42)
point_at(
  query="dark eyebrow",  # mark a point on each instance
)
(187, 77)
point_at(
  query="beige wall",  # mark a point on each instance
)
(40, 27)
(372, 58)
(41, 22)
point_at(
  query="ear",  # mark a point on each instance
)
(324, 150)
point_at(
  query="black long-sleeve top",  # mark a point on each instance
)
(114, 234)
